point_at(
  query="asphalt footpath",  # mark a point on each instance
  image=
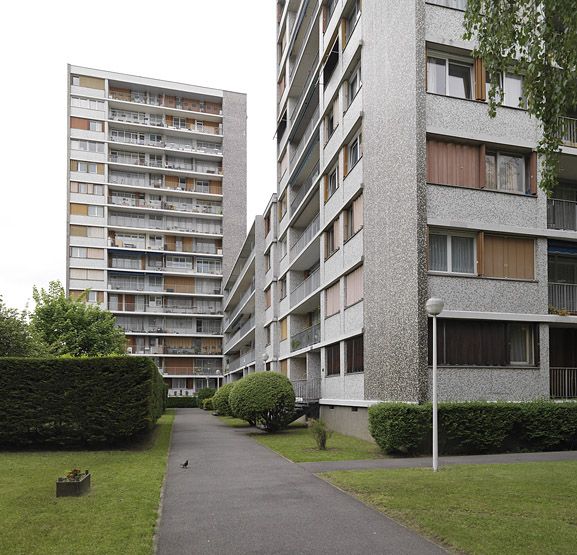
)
(237, 497)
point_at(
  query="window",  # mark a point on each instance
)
(512, 89)
(484, 343)
(455, 4)
(331, 63)
(333, 300)
(332, 240)
(505, 172)
(86, 146)
(449, 76)
(354, 287)
(96, 211)
(86, 188)
(508, 257)
(331, 120)
(78, 252)
(283, 329)
(282, 288)
(267, 297)
(333, 359)
(354, 153)
(84, 231)
(283, 164)
(354, 352)
(87, 103)
(282, 206)
(331, 182)
(267, 263)
(75, 79)
(283, 247)
(355, 84)
(178, 123)
(267, 335)
(86, 274)
(452, 253)
(352, 19)
(353, 218)
(267, 224)
(96, 126)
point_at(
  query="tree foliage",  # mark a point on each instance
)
(72, 326)
(16, 339)
(538, 39)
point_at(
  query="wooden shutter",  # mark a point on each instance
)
(358, 216)
(78, 230)
(451, 163)
(509, 257)
(283, 329)
(284, 367)
(91, 82)
(79, 123)
(78, 209)
(345, 160)
(482, 167)
(343, 32)
(326, 187)
(354, 286)
(480, 80)
(533, 173)
(480, 253)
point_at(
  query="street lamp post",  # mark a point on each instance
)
(434, 308)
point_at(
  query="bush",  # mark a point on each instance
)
(207, 404)
(320, 433)
(205, 393)
(264, 398)
(182, 402)
(475, 428)
(66, 402)
(221, 399)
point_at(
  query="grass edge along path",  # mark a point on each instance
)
(118, 516)
(477, 509)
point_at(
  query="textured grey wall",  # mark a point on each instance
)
(395, 199)
(234, 180)
(345, 421)
(259, 305)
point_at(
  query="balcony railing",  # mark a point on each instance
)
(311, 74)
(563, 297)
(307, 390)
(306, 287)
(561, 214)
(309, 131)
(246, 295)
(179, 371)
(563, 383)
(152, 99)
(182, 392)
(165, 205)
(192, 351)
(191, 289)
(249, 324)
(242, 360)
(144, 119)
(305, 188)
(170, 309)
(305, 237)
(157, 182)
(165, 143)
(137, 223)
(305, 338)
(569, 131)
(130, 327)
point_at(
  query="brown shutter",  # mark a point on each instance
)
(480, 80)
(326, 187)
(509, 257)
(480, 253)
(78, 230)
(533, 173)
(91, 82)
(450, 163)
(100, 169)
(482, 169)
(343, 32)
(79, 123)
(345, 160)
(78, 209)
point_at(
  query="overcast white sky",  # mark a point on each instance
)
(227, 44)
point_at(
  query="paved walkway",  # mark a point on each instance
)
(422, 462)
(238, 497)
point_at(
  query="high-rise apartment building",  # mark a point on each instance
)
(156, 212)
(395, 185)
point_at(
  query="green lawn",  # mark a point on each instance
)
(478, 509)
(234, 422)
(298, 445)
(118, 516)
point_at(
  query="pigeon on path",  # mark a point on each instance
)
(184, 464)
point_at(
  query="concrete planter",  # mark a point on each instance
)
(65, 488)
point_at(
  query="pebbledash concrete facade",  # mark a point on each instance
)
(156, 213)
(395, 185)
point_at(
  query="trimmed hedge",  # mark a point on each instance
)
(207, 404)
(182, 402)
(264, 398)
(221, 399)
(475, 428)
(205, 393)
(66, 402)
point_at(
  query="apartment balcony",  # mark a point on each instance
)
(305, 187)
(158, 182)
(142, 245)
(171, 309)
(563, 297)
(192, 372)
(305, 288)
(241, 332)
(142, 119)
(240, 305)
(562, 214)
(243, 360)
(307, 390)
(154, 99)
(182, 227)
(141, 286)
(305, 237)
(310, 130)
(165, 205)
(136, 329)
(182, 392)
(563, 383)
(306, 338)
(150, 162)
(164, 143)
(197, 351)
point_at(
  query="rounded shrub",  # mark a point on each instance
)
(205, 393)
(264, 398)
(221, 398)
(207, 404)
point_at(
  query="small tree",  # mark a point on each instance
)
(205, 393)
(221, 400)
(74, 327)
(320, 433)
(265, 398)
(16, 338)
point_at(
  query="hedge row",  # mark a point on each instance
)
(182, 402)
(65, 402)
(475, 428)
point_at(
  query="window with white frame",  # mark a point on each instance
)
(96, 126)
(86, 188)
(355, 83)
(352, 19)
(449, 75)
(513, 89)
(505, 172)
(452, 252)
(96, 211)
(86, 146)
(333, 182)
(355, 151)
(87, 103)
(521, 350)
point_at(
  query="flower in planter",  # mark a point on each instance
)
(74, 475)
